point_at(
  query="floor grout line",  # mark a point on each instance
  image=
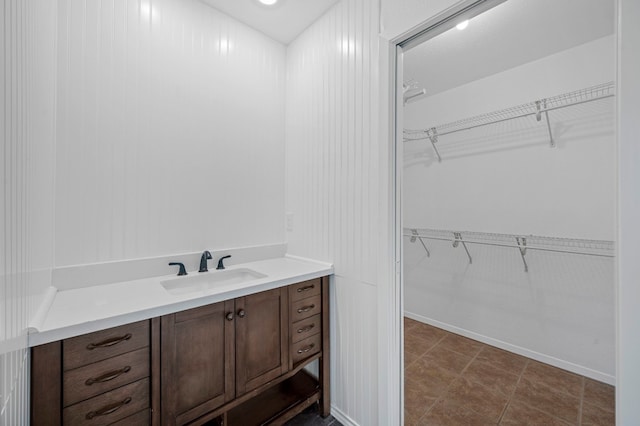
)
(458, 376)
(509, 397)
(581, 401)
(513, 392)
(563, 392)
(445, 390)
(472, 359)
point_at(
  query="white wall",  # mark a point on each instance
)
(628, 373)
(27, 52)
(400, 16)
(332, 187)
(506, 179)
(170, 131)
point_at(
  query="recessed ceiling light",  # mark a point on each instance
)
(461, 26)
(268, 2)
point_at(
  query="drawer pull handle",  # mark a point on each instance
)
(108, 376)
(306, 349)
(242, 313)
(109, 342)
(108, 409)
(305, 329)
(229, 316)
(306, 308)
(307, 288)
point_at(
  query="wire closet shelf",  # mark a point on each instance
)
(600, 248)
(539, 108)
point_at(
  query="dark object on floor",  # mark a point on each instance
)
(310, 417)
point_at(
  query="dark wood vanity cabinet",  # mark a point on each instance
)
(238, 362)
(101, 378)
(211, 355)
(197, 362)
(261, 338)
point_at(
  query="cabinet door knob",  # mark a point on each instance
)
(242, 313)
(229, 316)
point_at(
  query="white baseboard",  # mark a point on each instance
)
(342, 417)
(565, 365)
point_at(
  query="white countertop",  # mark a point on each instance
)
(73, 312)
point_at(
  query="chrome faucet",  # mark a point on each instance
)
(203, 261)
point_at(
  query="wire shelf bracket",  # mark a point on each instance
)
(433, 137)
(414, 236)
(536, 108)
(575, 246)
(457, 240)
(522, 248)
(539, 111)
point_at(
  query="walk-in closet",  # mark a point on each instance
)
(508, 209)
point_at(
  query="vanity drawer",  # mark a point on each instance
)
(94, 347)
(304, 289)
(305, 308)
(305, 348)
(305, 328)
(141, 418)
(94, 379)
(109, 407)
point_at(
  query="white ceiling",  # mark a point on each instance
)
(283, 21)
(511, 34)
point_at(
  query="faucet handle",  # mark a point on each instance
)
(182, 270)
(221, 263)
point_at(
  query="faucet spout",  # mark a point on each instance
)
(203, 261)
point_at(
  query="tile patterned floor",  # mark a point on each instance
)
(452, 380)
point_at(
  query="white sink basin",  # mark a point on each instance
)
(208, 280)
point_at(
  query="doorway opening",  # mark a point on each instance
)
(506, 207)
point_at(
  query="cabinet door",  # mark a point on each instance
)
(261, 338)
(197, 362)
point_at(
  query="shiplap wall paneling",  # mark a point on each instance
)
(27, 41)
(170, 131)
(332, 177)
(14, 262)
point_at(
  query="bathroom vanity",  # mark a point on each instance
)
(235, 361)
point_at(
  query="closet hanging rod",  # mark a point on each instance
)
(528, 247)
(583, 96)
